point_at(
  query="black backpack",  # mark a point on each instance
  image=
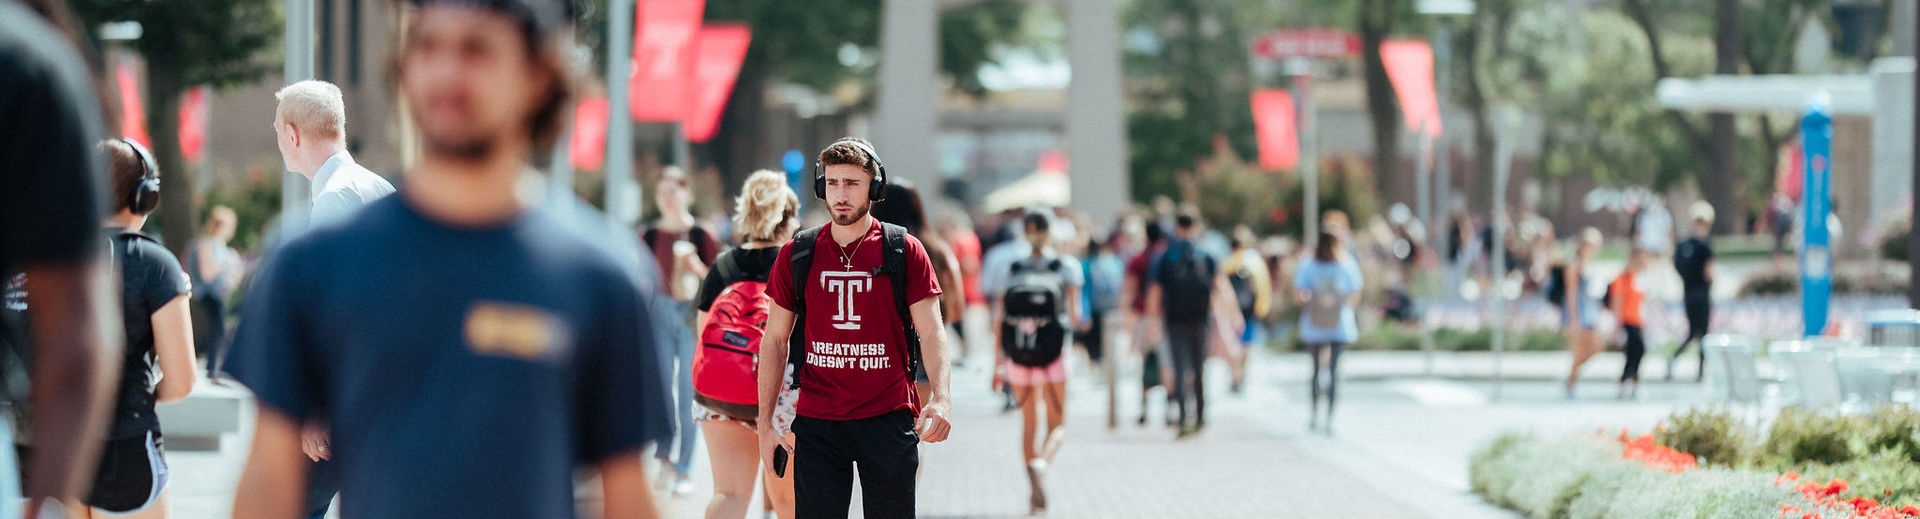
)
(1034, 331)
(1555, 288)
(893, 264)
(1186, 281)
(1243, 292)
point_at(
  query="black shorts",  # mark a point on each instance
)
(132, 474)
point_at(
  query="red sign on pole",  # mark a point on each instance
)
(193, 124)
(589, 150)
(719, 50)
(1410, 68)
(1307, 43)
(662, 46)
(133, 113)
(1274, 131)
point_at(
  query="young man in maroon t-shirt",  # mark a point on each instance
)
(857, 403)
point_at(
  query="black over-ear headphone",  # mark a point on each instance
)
(145, 196)
(876, 190)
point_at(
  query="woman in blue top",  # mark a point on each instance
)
(1328, 289)
(1577, 314)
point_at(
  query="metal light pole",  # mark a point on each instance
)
(1302, 71)
(298, 65)
(1503, 149)
(622, 193)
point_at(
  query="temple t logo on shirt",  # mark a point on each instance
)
(845, 286)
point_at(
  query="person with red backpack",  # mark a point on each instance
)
(853, 302)
(1032, 316)
(732, 318)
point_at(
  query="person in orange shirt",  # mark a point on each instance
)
(1624, 298)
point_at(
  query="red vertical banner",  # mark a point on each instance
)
(1409, 66)
(193, 124)
(662, 47)
(133, 113)
(719, 49)
(1273, 127)
(589, 146)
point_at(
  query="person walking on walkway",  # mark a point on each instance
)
(1693, 259)
(1184, 281)
(1328, 290)
(471, 349)
(50, 208)
(732, 317)
(1146, 334)
(1578, 315)
(1624, 298)
(215, 269)
(684, 249)
(853, 303)
(154, 295)
(310, 127)
(1252, 285)
(1032, 326)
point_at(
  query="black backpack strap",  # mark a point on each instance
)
(894, 264)
(801, 258)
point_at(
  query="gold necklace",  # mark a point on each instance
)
(846, 258)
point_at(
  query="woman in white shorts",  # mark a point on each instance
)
(765, 215)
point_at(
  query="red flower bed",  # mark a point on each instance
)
(1656, 456)
(1827, 497)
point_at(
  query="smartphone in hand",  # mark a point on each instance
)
(780, 462)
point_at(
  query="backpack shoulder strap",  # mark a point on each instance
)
(894, 263)
(801, 259)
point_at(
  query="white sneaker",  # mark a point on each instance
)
(682, 486)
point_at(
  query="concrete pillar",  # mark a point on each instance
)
(906, 125)
(1096, 118)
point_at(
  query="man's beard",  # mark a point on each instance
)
(470, 149)
(849, 219)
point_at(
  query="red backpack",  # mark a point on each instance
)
(726, 366)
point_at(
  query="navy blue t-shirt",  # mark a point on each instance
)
(466, 372)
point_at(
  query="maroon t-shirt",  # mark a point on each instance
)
(857, 357)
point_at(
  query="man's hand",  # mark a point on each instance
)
(933, 425)
(769, 439)
(315, 441)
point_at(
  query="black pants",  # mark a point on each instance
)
(1096, 336)
(1636, 348)
(886, 449)
(1699, 306)
(1332, 382)
(323, 482)
(1188, 342)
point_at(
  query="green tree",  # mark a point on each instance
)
(1188, 83)
(220, 43)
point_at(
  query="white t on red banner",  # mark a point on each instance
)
(662, 53)
(719, 50)
(1273, 129)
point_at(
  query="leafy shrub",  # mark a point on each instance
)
(1800, 436)
(1713, 435)
(1893, 431)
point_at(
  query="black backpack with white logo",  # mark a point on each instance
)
(1034, 331)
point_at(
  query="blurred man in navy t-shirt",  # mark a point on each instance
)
(471, 348)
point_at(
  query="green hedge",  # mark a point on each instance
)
(1585, 478)
(1405, 338)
